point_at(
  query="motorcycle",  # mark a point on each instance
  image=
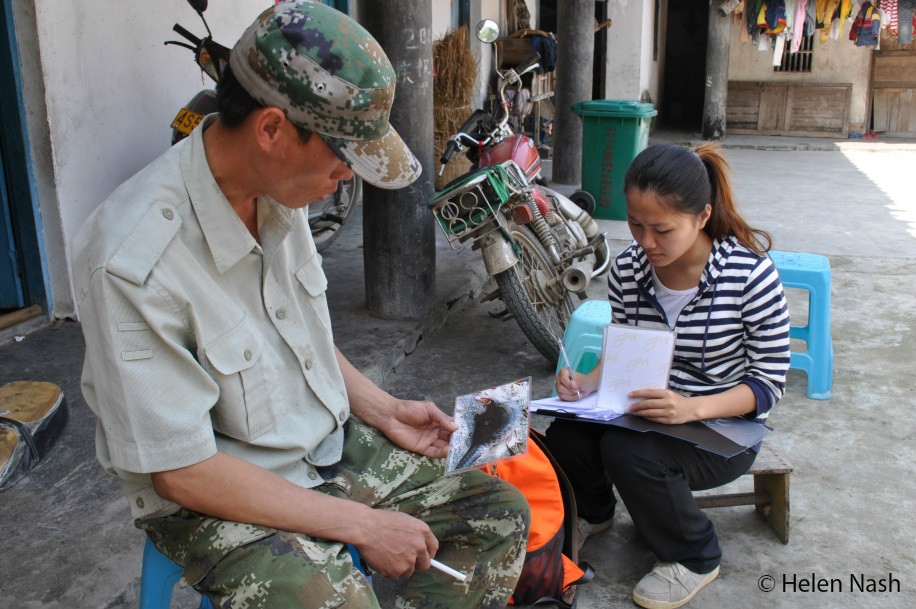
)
(326, 217)
(540, 247)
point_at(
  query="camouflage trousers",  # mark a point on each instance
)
(481, 524)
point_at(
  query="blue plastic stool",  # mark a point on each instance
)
(584, 335)
(159, 575)
(157, 578)
(811, 272)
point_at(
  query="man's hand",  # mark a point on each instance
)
(419, 427)
(664, 406)
(398, 545)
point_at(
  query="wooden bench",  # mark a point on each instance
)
(771, 492)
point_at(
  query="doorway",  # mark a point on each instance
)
(893, 89)
(10, 284)
(685, 65)
(23, 272)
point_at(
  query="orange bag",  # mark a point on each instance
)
(550, 572)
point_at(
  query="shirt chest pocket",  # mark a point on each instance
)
(311, 277)
(247, 406)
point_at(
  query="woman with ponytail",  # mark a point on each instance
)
(697, 268)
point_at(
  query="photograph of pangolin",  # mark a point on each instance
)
(492, 425)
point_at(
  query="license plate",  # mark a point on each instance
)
(186, 121)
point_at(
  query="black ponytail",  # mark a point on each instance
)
(686, 180)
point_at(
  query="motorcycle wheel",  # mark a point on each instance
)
(327, 217)
(540, 314)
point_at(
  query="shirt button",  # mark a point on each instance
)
(308, 364)
(140, 502)
(342, 416)
(248, 354)
(313, 475)
(168, 213)
(281, 313)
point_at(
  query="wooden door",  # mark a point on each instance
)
(773, 106)
(894, 93)
(780, 108)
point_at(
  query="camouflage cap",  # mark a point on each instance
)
(329, 75)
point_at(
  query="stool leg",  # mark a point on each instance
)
(820, 342)
(776, 514)
(157, 578)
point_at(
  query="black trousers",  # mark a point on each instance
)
(654, 475)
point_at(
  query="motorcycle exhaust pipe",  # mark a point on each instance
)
(577, 277)
(575, 213)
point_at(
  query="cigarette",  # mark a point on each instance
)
(445, 569)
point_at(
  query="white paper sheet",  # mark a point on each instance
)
(586, 408)
(633, 358)
(554, 403)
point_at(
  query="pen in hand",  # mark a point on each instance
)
(568, 367)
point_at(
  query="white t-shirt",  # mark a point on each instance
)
(672, 301)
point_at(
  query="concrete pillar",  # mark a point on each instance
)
(575, 56)
(716, 93)
(399, 248)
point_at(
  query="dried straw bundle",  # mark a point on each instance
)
(453, 85)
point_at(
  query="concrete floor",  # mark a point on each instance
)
(68, 542)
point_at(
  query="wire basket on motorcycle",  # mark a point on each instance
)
(467, 208)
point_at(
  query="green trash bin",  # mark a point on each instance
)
(614, 131)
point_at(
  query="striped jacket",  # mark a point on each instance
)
(735, 330)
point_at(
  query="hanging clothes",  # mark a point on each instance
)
(798, 25)
(866, 28)
(547, 47)
(839, 18)
(906, 12)
(810, 18)
(779, 43)
(772, 17)
(753, 12)
(826, 9)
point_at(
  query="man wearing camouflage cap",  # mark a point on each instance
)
(224, 408)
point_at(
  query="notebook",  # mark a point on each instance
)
(633, 358)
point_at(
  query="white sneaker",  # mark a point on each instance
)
(669, 585)
(587, 529)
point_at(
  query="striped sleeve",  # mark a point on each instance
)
(765, 316)
(615, 295)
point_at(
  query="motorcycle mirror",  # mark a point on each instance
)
(198, 5)
(487, 31)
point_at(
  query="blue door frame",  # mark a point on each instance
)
(10, 285)
(20, 220)
(342, 5)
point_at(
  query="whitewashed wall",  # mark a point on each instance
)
(632, 72)
(111, 89)
(835, 61)
(101, 90)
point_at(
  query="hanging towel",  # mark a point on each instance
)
(778, 46)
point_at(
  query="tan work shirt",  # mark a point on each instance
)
(199, 339)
